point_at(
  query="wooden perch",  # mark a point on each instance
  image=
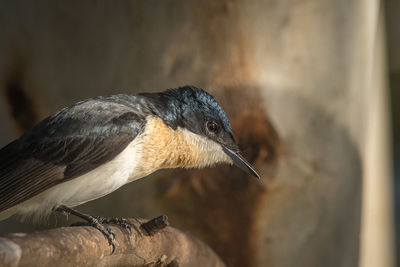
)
(151, 243)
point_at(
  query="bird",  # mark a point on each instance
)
(91, 148)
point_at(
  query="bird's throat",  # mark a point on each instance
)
(164, 147)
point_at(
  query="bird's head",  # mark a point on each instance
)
(203, 123)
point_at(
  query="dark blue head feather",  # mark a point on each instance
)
(191, 108)
(194, 100)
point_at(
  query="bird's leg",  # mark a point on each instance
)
(92, 221)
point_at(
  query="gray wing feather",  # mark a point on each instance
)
(66, 145)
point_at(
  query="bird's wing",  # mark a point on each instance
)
(63, 147)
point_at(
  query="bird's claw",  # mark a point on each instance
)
(106, 231)
(98, 224)
(122, 222)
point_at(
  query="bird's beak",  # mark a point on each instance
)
(239, 161)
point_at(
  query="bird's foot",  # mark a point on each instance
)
(122, 222)
(91, 221)
(104, 229)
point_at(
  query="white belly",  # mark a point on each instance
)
(94, 184)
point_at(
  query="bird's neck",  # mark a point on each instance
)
(164, 147)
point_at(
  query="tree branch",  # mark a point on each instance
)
(150, 244)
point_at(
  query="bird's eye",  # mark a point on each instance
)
(212, 126)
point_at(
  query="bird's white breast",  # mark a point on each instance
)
(94, 184)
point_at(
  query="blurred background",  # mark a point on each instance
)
(312, 89)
